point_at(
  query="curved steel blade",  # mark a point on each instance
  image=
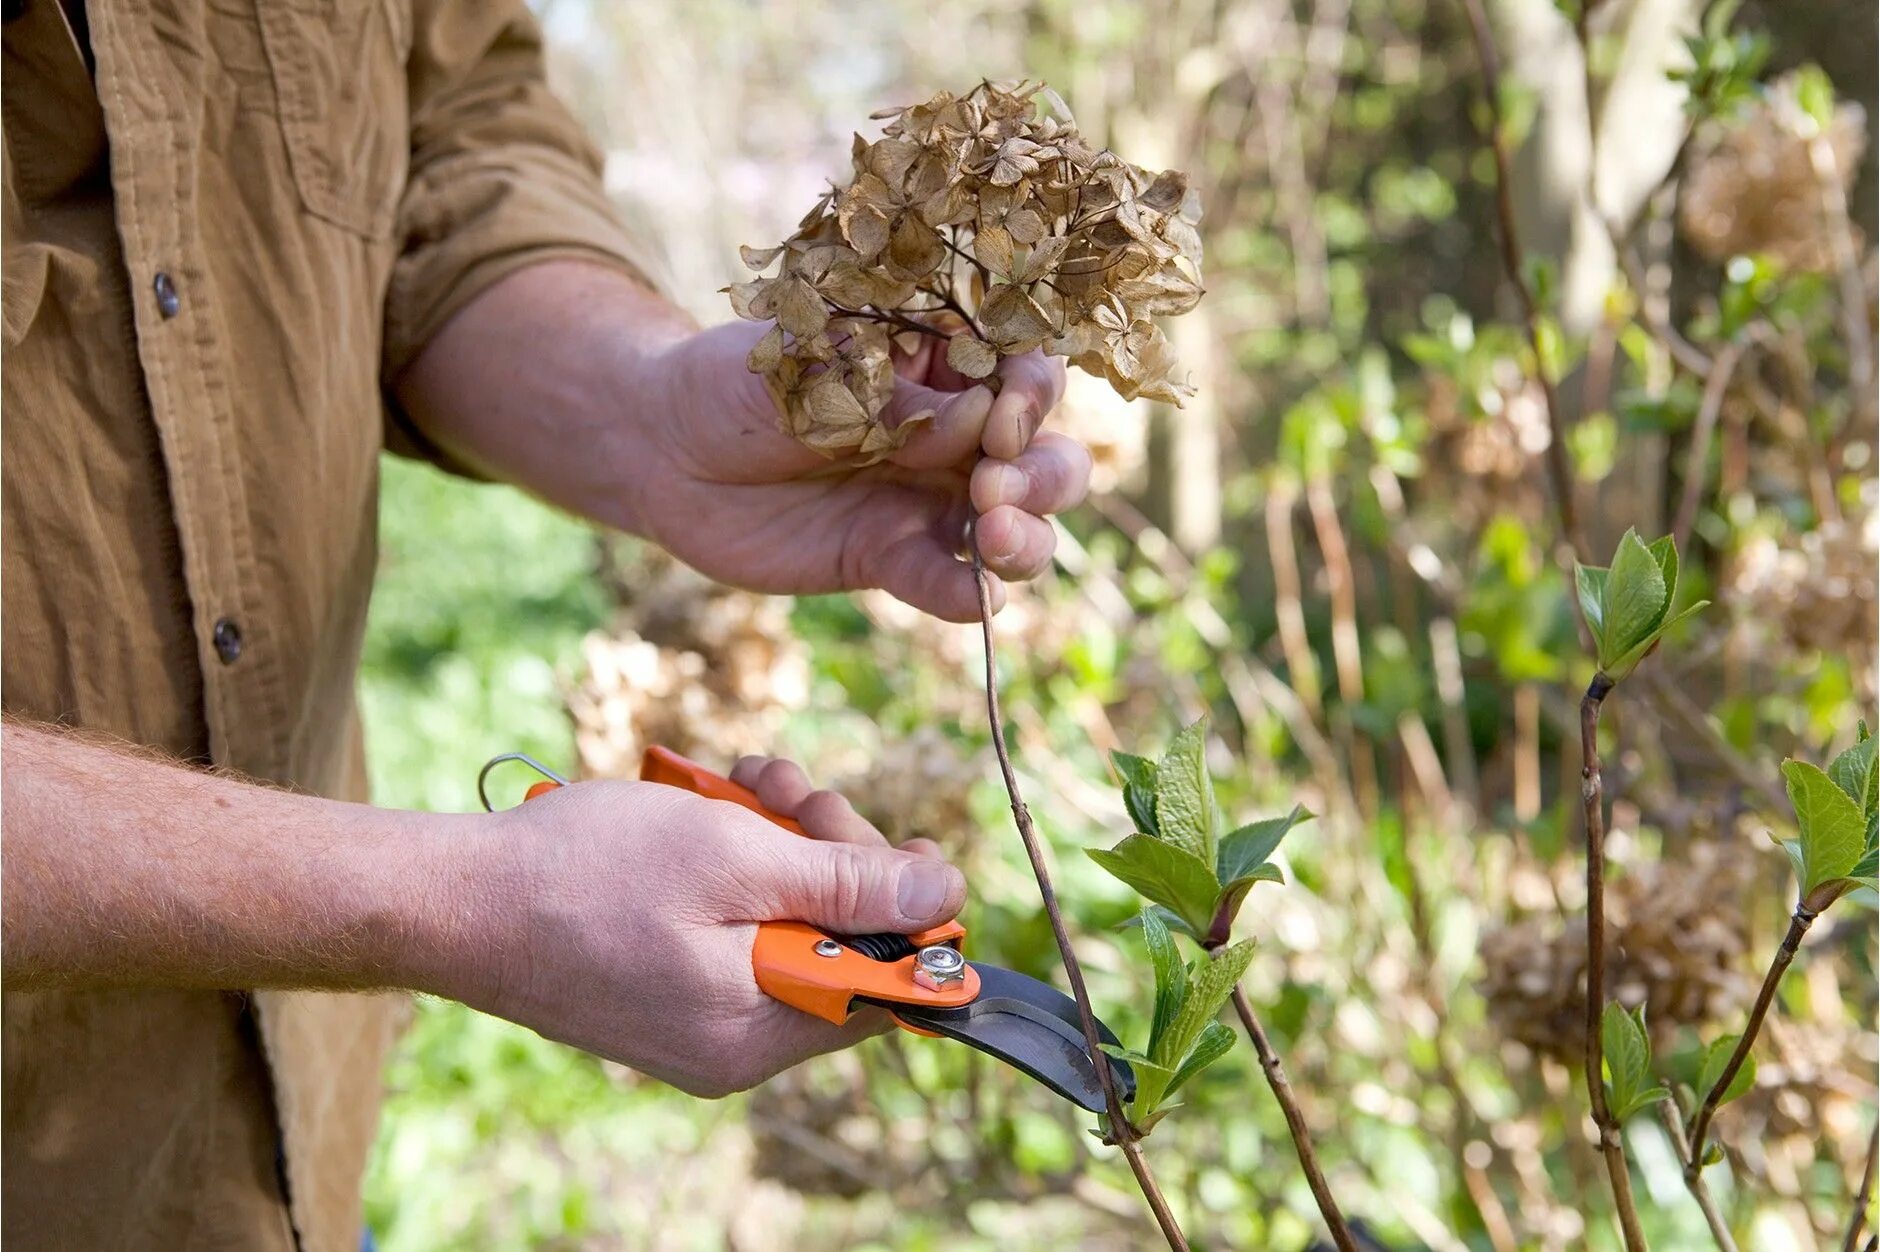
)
(1031, 1026)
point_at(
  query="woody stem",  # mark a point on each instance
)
(1122, 1131)
(1803, 918)
(1592, 793)
(1295, 1122)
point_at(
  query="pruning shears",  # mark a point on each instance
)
(923, 980)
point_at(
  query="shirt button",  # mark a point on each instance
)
(228, 641)
(168, 302)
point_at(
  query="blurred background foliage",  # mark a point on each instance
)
(1344, 550)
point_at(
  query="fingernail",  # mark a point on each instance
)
(922, 890)
(1008, 484)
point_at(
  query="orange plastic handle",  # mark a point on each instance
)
(663, 765)
(793, 961)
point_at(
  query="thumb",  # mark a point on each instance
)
(852, 889)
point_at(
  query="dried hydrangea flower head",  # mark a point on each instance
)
(976, 219)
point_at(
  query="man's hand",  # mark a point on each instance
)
(636, 905)
(581, 385)
(748, 505)
(616, 916)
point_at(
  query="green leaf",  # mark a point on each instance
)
(1853, 772)
(1168, 917)
(1210, 981)
(1626, 1046)
(1628, 1053)
(1794, 848)
(1590, 580)
(1815, 94)
(1627, 662)
(1252, 844)
(1641, 1100)
(1665, 552)
(1716, 1056)
(1138, 775)
(1867, 869)
(1137, 770)
(1171, 976)
(1636, 599)
(1165, 874)
(1185, 809)
(1833, 830)
(1152, 1081)
(1215, 1042)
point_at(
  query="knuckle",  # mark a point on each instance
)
(847, 881)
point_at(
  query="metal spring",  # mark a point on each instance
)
(882, 947)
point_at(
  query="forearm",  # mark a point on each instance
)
(124, 870)
(550, 379)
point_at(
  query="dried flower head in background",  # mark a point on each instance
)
(1754, 188)
(974, 219)
(1677, 945)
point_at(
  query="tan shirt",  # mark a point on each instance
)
(224, 224)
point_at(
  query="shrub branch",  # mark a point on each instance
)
(1295, 1122)
(1694, 1181)
(1592, 793)
(1122, 1132)
(1803, 918)
(1864, 1196)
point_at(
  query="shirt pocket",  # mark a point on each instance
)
(339, 80)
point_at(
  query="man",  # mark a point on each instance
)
(245, 247)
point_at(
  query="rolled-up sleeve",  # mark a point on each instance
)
(501, 175)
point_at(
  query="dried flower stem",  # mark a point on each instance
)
(1700, 1191)
(1295, 1122)
(1559, 471)
(1864, 1196)
(1803, 918)
(1122, 1131)
(1592, 792)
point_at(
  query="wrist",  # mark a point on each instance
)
(450, 927)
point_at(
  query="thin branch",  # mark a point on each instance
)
(1295, 1122)
(1560, 472)
(1697, 466)
(1122, 1132)
(1803, 918)
(1699, 1189)
(1864, 1196)
(1592, 792)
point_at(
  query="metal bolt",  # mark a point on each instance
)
(938, 967)
(828, 947)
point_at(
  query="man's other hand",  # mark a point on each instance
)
(623, 920)
(730, 494)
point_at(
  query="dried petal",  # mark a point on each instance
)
(758, 259)
(1013, 320)
(1026, 226)
(992, 248)
(767, 352)
(799, 310)
(916, 250)
(1042, 261)
(751, 301)
(973, 357)
(833, 419)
